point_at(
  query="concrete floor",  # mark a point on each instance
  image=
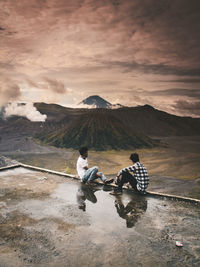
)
(49, 220)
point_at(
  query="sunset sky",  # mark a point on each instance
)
(132, 52)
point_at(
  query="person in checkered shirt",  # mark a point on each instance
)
(136, 175)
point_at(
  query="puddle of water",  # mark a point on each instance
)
(104, 210)
(66, 192)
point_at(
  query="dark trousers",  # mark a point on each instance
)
(124, 178)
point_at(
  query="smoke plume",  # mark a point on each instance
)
(26, 110)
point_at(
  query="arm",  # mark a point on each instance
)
(130, 169)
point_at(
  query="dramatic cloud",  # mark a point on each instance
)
(193, 80)
(26, 110)
(32, 83)
(162, 69)
(192, 93)
(50, 84)
(9, 91)
(56, 86)
(186, 107)
(108, 47)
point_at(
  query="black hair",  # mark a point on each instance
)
(134, 157)
(83, 150)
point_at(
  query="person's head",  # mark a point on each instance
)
(83, 152)
(134, 157)
(130, 221)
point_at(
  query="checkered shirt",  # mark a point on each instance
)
(140, 173)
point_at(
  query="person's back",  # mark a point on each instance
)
(135, 174)
(141, 175)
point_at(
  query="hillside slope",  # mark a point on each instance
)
(98, 130)
(150, 121)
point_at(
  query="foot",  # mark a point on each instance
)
(82, 207)
(107, 188)
(115, 192)
(109, 181)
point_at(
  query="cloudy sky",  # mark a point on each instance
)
(132, 52)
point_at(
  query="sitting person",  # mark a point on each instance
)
(88, 174)
(139, 178)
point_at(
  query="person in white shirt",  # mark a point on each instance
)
(85, 173)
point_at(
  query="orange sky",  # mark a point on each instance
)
(131, 52)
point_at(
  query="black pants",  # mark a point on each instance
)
(124, 178)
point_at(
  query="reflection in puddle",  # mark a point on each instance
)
(85, 192)
(132, 211)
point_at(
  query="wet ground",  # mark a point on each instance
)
(48, 220)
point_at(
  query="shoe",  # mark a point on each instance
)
(116, 192)
(82, 207)
(107, 188)
(109, 181)
(143, 192)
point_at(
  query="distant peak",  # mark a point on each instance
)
(96, 101)
(95, 96)
(148, 106)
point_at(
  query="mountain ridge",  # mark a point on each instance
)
(141, 121)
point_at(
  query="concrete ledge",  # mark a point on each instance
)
(149, 193)
(10, 167)
(48, 171)
(174, 197)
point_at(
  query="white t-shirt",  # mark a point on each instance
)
(81, 163)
